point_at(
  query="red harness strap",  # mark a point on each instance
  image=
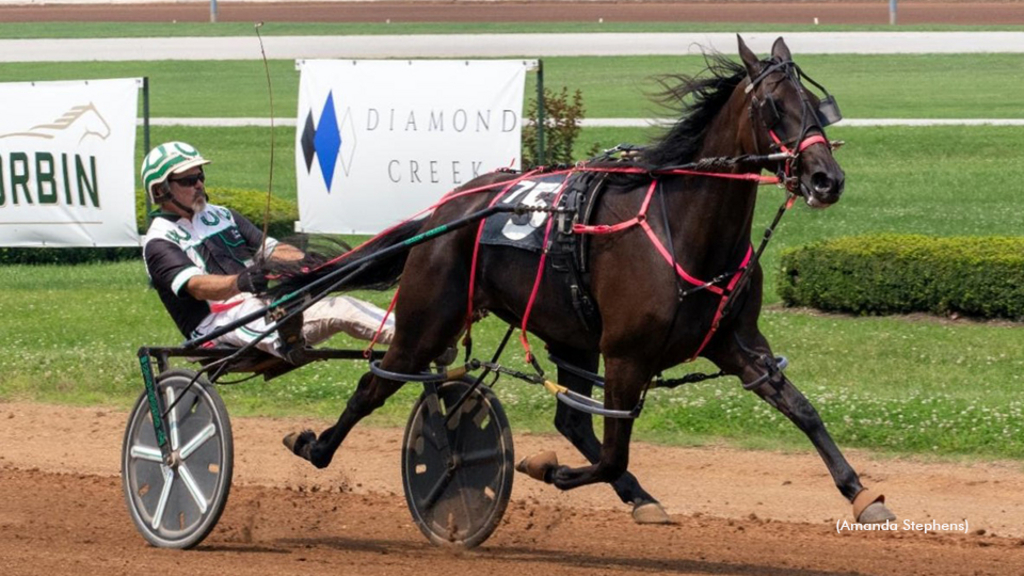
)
(540, 274)
(726, 296)
(641, 220)
(476, 249)
(383, 321)
(444, 200)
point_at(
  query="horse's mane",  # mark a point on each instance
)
(696, 99)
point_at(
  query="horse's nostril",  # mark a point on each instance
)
(821, 182)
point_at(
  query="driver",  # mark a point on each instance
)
(201, 256)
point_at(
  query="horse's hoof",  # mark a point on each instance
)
(869, 508)
(650, 513)
(538, 465)
(299, 443)
(876, 513)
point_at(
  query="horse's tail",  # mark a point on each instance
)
(380, 274)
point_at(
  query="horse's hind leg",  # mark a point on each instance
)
(743, 353)
(370, 394)
(578, 427)
(426, 324)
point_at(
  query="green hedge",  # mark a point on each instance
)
(250, 203)
(893, 273)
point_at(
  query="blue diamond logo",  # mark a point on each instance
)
(327, 141)
(308, 147)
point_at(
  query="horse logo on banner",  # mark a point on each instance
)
(84, 119)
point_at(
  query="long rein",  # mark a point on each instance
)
(737, 278)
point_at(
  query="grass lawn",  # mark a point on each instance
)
(918, 386)
(866, 86)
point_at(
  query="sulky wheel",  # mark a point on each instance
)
(457, 476)
(177, 505)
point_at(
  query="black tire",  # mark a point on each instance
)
(202, 479)
(472, 498)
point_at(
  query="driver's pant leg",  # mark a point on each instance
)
(246, 334)
(345, 314)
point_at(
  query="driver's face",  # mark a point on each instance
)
(188, 188)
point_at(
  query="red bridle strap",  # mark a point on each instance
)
(804, 144)
(811, 141)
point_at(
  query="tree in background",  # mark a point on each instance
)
(562, 117)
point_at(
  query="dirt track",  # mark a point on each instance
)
(877, 12)
(735, 512)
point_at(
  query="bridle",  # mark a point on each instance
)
(813, 119)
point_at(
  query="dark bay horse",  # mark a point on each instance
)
(692, 227)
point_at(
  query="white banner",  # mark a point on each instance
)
(67, 163)
(378, 140)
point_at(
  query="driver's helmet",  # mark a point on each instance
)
(166, 159)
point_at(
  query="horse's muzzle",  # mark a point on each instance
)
(823, 188)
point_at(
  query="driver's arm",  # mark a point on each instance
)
(212, 286)
(222, 287)
(286, 253)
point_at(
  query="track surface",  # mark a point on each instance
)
(950, 12)
(735, 512)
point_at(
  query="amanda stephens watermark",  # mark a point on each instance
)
(905, 526)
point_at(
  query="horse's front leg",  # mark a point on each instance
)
(746, 354)
(578, 428)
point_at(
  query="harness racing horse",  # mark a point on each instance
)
(653, 235)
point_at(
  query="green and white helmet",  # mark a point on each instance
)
(166, 159)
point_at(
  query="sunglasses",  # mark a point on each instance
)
(189, 181)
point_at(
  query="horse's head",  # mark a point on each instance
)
(788, 118)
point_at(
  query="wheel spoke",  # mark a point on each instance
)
(193, 488)
(429, 434)
(172, 419)
(481, 457)
(200, 439)
(165, 494)
(463, 498)
(436, 491)
(146, 453)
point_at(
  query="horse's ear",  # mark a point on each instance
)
(780, 51)
(750, 59)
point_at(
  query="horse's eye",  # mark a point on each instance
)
(770, 112)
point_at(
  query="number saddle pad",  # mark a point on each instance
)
(526, 230)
